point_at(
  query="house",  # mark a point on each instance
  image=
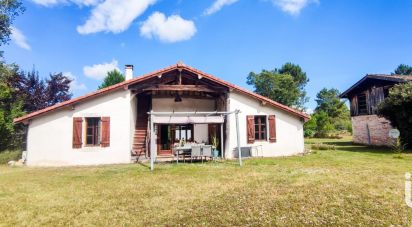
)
(364, 97)
(147, 114)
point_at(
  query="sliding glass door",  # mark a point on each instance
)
(168, 135)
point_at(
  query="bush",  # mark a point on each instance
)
(310, 127)
(323, 147)
(6, 156)
(397, 108)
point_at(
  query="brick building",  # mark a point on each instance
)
(364, 97)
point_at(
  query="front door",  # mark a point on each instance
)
(165, 140)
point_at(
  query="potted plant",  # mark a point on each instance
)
(215, 144)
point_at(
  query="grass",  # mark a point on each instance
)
(350, 185)
(6, 156)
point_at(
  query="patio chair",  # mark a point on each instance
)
(196, 152)
(207, 151)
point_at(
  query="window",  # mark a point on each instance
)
(93, 131)
(260, 127)
(362, 107)
(183, 132)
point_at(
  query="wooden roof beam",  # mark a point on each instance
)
(199, 88)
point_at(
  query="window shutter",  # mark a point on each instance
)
(250, 128)
(105, 142)
(77, 132)
(272, 128)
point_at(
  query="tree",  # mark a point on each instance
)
(38, 93)
(9, 10)
(397, 108)
(285, 85)
(34, 91)
(113, 77)
(310, 126)
(278, 87)
(403, 70)
(328, 101)
(58, 89)
(11, 106)
(300, 78)
(296, 72)
(331, 114)
(324, 125)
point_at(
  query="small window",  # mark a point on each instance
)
(362, 107)
(260, 127)
(93, 131)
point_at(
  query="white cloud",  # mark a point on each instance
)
(167, 29)
(19, 39)
(75, 85)
(47, 2)
(309, 111)
(114, 16)
(218, 5)
(99, 71)
(293, 7)
(57, 2)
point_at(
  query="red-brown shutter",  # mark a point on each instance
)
(272, 128)
(250, 128)
(105, 142)
(77, 132)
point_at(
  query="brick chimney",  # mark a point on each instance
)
(128, 72)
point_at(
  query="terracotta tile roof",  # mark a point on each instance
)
(125, 84)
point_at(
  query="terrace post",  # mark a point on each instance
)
(151, 138)
(222, 141)
(238, 137)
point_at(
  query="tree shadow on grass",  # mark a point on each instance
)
(353, 147)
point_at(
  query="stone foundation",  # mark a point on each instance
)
(371, 130)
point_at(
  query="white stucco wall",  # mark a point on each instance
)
(49, 141)
(289, 128)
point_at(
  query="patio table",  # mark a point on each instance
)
(181, 151)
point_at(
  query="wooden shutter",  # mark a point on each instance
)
(105, 141)
(272, 128)
(77, 132)
(250, 128)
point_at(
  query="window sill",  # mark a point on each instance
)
(92, 146)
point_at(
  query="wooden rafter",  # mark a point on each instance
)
(198, 88)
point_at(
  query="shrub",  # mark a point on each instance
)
(323, 147)
(397, 108)
(7, 156)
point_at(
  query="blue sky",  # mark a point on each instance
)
(335, 42)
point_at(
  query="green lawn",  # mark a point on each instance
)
(351, 185)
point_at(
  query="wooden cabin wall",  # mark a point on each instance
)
(374, 96)
(354, 106)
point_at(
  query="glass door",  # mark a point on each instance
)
(165, 140)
